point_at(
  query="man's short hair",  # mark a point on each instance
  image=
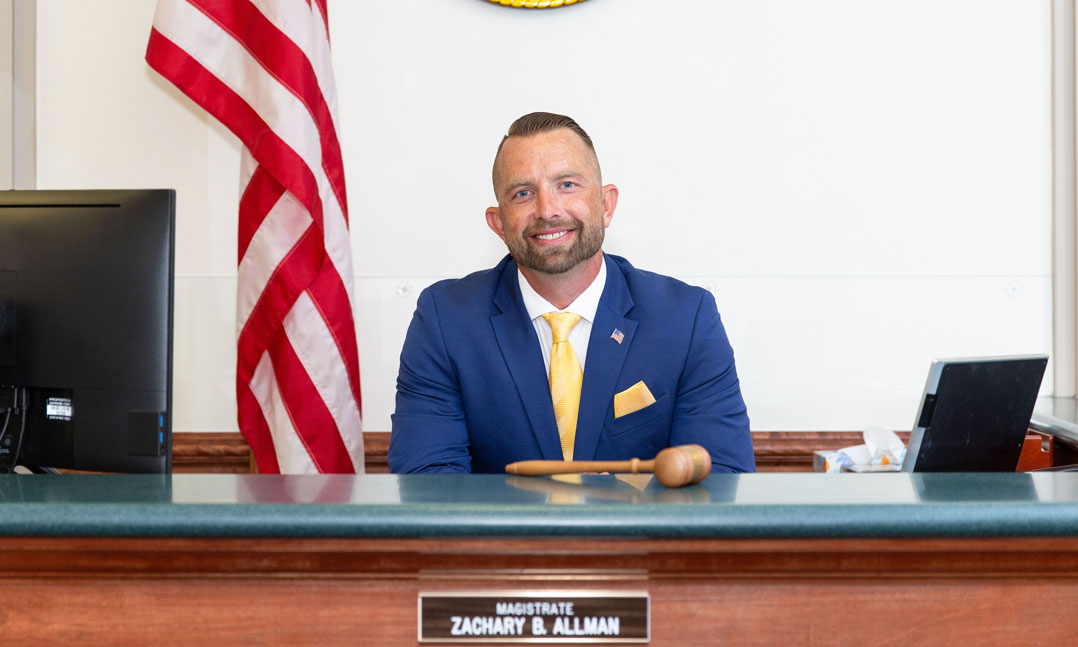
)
(534, 123)
(540, 122)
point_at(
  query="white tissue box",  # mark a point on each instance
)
(824, 461)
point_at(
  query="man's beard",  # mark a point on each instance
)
(556, 260)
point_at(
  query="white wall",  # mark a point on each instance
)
(7, 79)
(863, 185)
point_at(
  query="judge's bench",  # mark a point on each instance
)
(769, 558)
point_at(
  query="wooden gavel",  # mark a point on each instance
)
(674, 466)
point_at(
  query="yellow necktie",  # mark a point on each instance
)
(565, 378)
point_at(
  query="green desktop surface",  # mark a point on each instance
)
(723, 506)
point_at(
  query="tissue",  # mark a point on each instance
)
(882, 451)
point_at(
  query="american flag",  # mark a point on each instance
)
(262, 68)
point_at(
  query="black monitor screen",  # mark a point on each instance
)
(86, 290)
(974, 414)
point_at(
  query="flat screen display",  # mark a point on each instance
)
(974, 414)
(86, 291)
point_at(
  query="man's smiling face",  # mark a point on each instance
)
(552, 209)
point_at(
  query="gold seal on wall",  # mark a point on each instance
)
(536, 4)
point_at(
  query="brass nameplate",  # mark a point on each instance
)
(555, 617)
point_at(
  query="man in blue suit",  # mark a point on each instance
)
(562, 351)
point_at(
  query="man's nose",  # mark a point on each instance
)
(546, 204)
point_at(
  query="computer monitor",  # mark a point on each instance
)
(86, 292)
(974, 414)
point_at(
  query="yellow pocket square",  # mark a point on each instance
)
(634, 398)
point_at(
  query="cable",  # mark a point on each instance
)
(18, 445)
(24, 412)
(7, 419)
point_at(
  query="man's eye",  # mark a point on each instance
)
(523, 193)
(568, 184)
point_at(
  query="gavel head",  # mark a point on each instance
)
(682, 465)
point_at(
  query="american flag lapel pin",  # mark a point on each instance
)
(617, 335)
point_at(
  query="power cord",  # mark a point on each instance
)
(10, 409)
(21, 407)
(22, 430)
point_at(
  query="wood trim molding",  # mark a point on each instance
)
(210, 453)
(227, 452)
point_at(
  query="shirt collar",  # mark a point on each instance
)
(585, 305)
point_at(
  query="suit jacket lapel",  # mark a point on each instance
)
(520, 347)
(604, 361)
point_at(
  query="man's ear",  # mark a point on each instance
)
(494, 221)
(610, 202)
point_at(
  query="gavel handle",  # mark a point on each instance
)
(540, 468)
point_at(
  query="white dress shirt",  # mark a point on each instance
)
(585, 305)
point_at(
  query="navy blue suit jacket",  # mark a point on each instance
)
(472, 393)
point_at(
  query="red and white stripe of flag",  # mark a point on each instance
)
(262, 68)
